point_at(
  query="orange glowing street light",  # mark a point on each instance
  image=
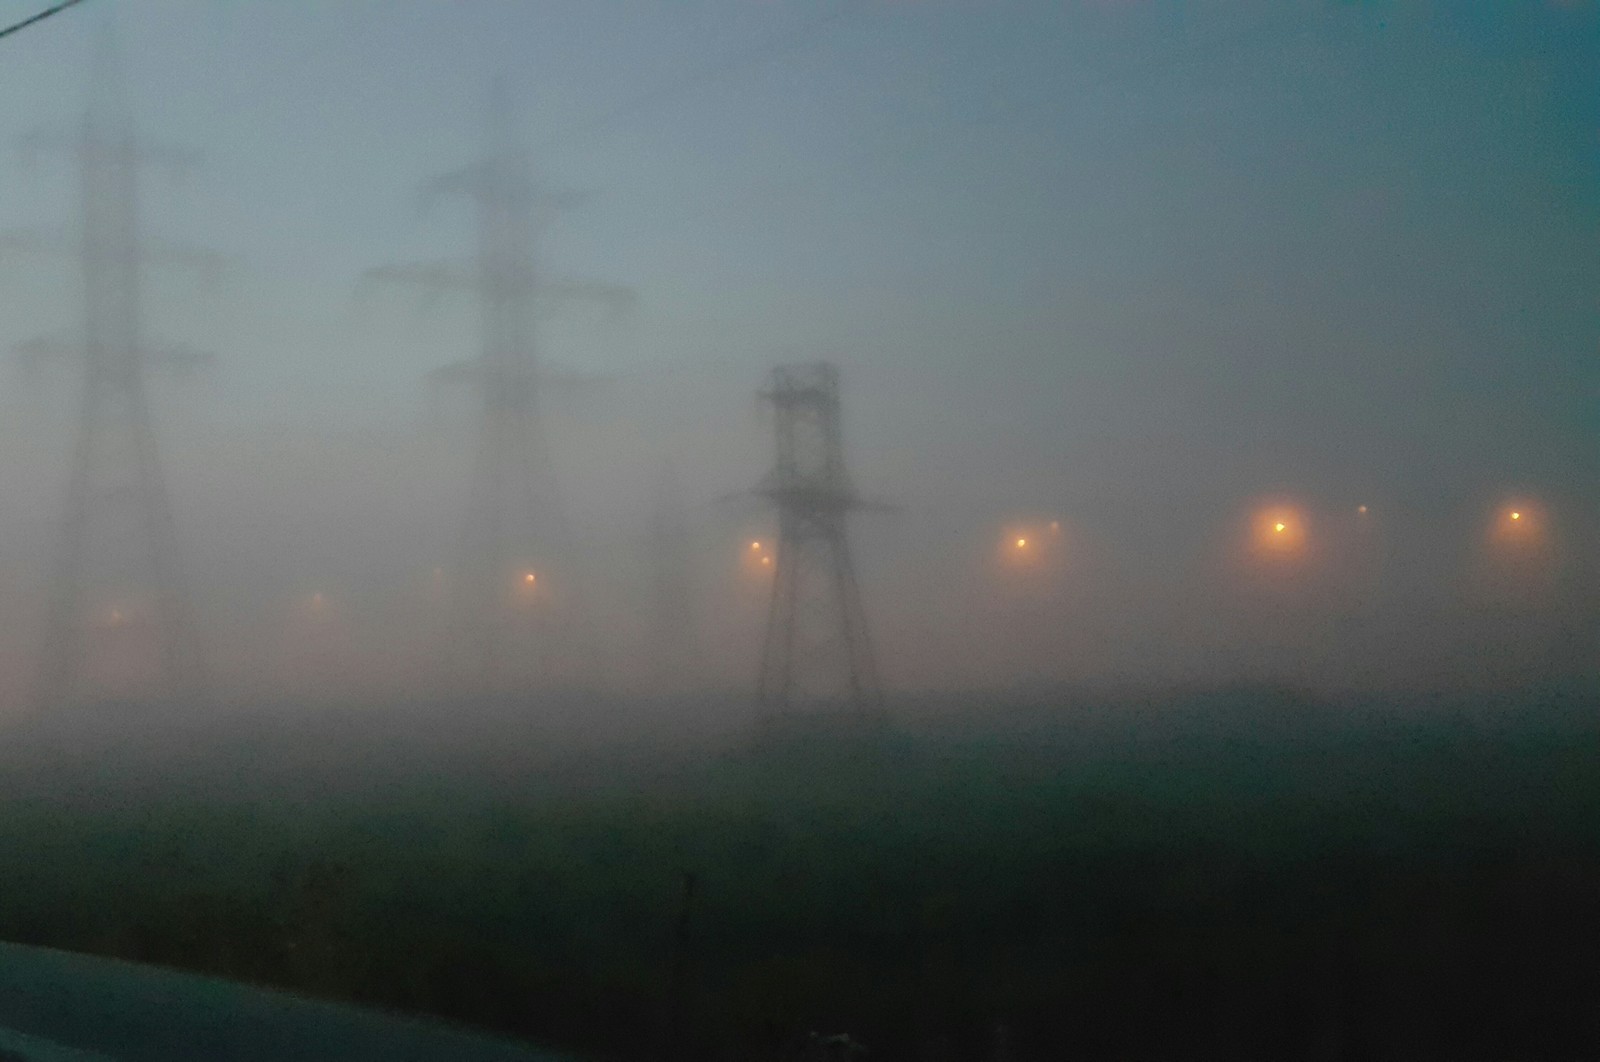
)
(1028, 547)
(524, 589)
(1279, 531)
(757, 559)
(1522, 526)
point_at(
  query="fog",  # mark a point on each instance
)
(1009, 529)
(1134, 283)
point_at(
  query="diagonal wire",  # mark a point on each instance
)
(40, 17)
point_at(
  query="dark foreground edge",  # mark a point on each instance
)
(56, 1006)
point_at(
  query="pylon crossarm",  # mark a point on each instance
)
(615, 297)
(31, 241)
(93, 145)
(202, 260)
(32, 354)
(439, 275)
(816, 649)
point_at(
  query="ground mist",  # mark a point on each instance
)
(1219, 873)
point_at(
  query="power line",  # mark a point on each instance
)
(40, 17)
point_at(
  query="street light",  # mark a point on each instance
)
(1278, 530)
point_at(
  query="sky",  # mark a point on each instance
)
(1139, 267)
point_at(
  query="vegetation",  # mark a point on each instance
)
(1233, 874)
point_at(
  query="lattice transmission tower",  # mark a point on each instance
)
(676, 665)
(817, 652)
(116, 588)
(514, 589)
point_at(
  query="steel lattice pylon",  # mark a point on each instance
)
(116, 571)
(513, 590)
(817, 651)
(675, 663)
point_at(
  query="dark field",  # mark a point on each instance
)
(1233, 874)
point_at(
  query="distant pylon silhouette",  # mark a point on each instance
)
(116, 572)
(674, 645)
(817, 652)
(514, 587)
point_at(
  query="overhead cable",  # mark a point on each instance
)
(40, 17)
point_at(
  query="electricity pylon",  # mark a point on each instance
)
(116, 571)
(514, 588)
(674, 650)
(817, 651)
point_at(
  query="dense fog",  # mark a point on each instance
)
(995, 530)
(1115, 290)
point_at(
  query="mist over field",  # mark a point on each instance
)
(1139, 270)
(415, 412)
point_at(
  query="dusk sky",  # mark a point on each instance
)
(1133, 264)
